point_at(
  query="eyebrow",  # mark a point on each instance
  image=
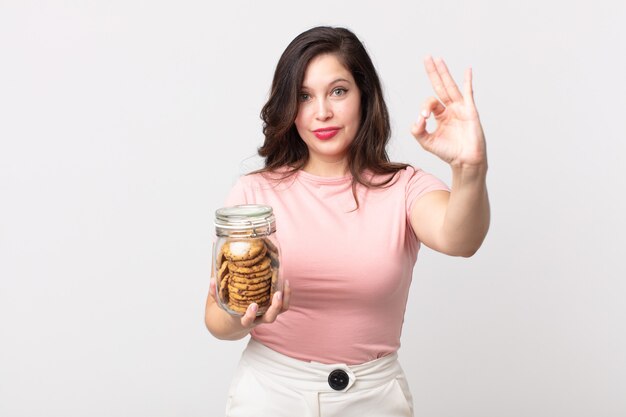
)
(333, 82)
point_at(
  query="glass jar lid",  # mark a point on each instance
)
(245, 220)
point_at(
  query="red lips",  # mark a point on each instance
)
(326, 133)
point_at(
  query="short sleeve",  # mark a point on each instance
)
(419, 184)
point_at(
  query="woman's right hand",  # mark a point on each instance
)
(279, 304)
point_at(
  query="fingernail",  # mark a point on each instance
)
(279, 296)
(253, 307)
(425, 113)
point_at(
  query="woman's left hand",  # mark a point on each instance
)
(458, 139)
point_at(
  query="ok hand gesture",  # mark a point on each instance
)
(458, 139)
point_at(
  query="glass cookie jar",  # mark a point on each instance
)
(246, 258)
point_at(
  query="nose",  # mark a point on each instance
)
(324, 111)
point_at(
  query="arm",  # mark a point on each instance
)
(454, 223)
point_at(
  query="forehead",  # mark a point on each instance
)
(325, 69)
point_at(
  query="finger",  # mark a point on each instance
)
(431, 106)
(248, 318)
(448, 81)
(435, 80)
(275, 308)
(468, 92)
(434, 106)
(418, 130)
(286, 296)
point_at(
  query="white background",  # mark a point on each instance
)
(124, 123)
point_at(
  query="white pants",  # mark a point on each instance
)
(269, 384)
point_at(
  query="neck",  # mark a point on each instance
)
(327, 169)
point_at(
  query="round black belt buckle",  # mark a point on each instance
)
(338, 379)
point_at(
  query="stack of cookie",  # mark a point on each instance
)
(247, 273)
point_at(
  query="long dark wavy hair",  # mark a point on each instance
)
(283, 147)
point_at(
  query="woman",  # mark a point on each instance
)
(350, 223)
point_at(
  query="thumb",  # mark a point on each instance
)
(418, 130)
(431, 106)
(213, 288)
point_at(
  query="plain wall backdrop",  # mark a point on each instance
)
(123, 124)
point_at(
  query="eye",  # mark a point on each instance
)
(337, 92)
(303, 97)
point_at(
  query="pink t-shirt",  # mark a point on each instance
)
(349, 270)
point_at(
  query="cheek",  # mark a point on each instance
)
(298, 124)
(300, 121)
(353, 106)
(352, 115)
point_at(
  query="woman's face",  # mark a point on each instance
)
(329, 112)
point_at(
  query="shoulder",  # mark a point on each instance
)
(416, 183)
(403, 177)
(412, 172)
(251, 179)
(265, 178)
(415, 176)
(256, 182)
